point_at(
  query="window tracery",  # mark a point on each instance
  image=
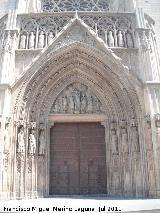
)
(72, 5)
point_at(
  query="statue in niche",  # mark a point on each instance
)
(120, 39)
(125, 148)
(77, 101)
(42, 142)
(31, 40)
(21, 142)
(41, 40)
(135, 139)
(32, 142)
(129, 40)
(110, 39)
(84, 103)
(23, 41)
(114, 142)
(50, 37)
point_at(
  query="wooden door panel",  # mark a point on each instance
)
(64, 166)
(77, 159)
(92, 159)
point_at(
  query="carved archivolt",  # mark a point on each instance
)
(76, 99)
(76, 62)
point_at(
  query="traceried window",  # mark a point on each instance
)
(74, 5)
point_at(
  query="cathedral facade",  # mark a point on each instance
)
(79, 100)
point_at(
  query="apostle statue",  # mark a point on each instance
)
(32, 142)
(21, 142)
(125, 148)
(114, 142)
(135, 139)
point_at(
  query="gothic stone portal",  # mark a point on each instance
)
(77, 159)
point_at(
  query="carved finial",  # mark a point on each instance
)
(76, 15)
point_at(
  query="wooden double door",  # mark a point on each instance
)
(77, 159)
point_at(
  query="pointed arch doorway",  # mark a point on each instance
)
(77, 159)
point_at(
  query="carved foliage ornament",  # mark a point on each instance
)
(76, 99)
(72, 5)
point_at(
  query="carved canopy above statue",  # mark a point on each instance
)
(76, 99)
